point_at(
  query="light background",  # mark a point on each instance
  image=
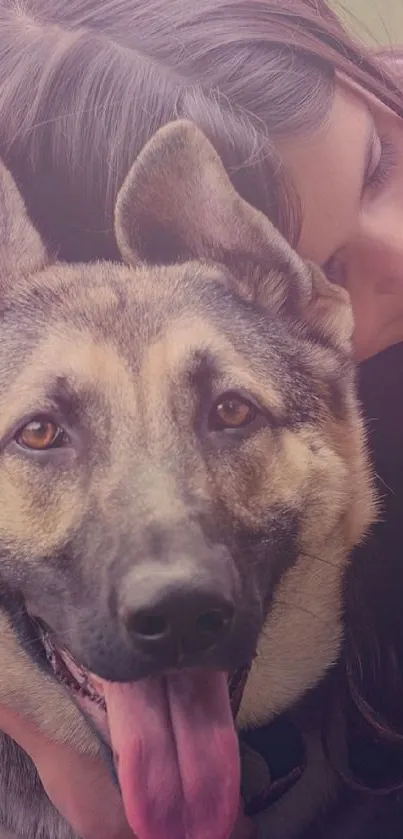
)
(377, 20)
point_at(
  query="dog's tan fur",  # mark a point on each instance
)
(179, 225)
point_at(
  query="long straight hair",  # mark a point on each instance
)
(84, 84)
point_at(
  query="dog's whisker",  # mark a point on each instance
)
(320, 559)
(299, 608)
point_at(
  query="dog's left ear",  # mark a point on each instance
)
(178, 204)
(22, 251)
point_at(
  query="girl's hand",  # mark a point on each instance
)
(79, 786)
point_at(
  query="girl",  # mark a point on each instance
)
(308, 124)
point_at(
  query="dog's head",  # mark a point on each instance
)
(181, 467)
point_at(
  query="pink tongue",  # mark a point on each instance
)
(176, 754)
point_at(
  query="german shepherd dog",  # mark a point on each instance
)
(183, 475)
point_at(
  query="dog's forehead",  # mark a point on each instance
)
(112, 299)
(131, 307)
(123, 331)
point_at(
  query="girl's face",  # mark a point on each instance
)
(349, 179)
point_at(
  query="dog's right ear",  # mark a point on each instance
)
(22, 251)
(179, 204)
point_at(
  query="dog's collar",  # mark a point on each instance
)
(272, 758)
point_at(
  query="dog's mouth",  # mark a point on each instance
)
(174, 744)
(77, 680)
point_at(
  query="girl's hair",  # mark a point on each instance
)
(84, 84)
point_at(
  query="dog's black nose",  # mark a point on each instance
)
(194, 622)
(180, 616)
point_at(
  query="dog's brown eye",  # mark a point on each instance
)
(232, 412)
(40, 435)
